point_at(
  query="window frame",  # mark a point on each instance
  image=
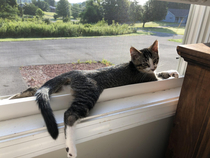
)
(118, 109)
(24, 133)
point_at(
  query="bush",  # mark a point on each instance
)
(102, 23)
(39, 13)
(30, 9)
(66, 19)
(87, 25)
(39, 28)
(55, 16)
(47, 20)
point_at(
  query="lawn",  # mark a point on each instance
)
(57, 38)
(162, 27)
(176, 40)
(50, 15)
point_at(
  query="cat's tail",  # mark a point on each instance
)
(43, 101)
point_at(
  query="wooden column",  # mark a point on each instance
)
(190, 136)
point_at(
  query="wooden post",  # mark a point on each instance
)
(190, 136)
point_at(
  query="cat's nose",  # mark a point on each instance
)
(153, 69)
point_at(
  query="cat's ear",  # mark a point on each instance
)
(134, 53)
(154, 47)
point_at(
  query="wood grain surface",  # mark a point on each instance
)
(190, 136)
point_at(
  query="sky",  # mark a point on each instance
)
(141, 2)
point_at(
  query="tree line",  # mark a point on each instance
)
(10, 9)
(92, 11)
(120, 11)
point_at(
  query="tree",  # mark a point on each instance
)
(92, 12)
(116, 10)
(50, 2)
(178, 5)
(39, 13)
(76, 10)
(63, 8)
(8, 9)
(135, 12)
(30, 9)
(41, 4)
(154, 11)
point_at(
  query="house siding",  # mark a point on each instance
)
(176, 15)
(169, 17)
(25, 1)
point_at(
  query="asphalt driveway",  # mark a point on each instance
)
(114, 49)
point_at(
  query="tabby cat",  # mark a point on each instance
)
(89, 84)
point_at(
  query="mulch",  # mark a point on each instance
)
(37, 75)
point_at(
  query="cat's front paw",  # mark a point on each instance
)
(174, 73)
(168, 74)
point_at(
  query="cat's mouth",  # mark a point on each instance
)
(149, 71)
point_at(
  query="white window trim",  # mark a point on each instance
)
(23, 132)
(118, 109)
(197, 30)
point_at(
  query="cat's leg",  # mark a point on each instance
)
(70, 140)
(168, 74)
(27, 93)
(83, 102)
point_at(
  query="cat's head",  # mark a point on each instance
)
(145, 60)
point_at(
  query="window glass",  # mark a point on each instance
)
(40, 39)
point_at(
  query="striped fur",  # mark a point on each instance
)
(88, 85)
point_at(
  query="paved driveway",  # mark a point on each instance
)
(114, 49)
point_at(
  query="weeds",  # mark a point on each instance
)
(38, 28)
(78, 61)
(105, 62)
(88, 62)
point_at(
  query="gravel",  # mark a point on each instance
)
(37, 75)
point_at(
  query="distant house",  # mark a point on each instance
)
(25, 1)
(21, 5)
(176, 15)
(52, 9)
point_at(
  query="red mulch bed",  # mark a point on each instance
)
(37, 75)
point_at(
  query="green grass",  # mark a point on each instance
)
(176, 40)
(50, 15)
(30, 39)
(162, 27)
(57, 38)
(106, 62)
(155, 24)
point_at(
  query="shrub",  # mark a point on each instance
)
(87, 25)
(55, 16)
(32, 27)
(47, 20)
(39, 13)
(66, 19)
(30, 9)
(102, 23)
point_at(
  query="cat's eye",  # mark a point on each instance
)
(154, 61)
(145, 64)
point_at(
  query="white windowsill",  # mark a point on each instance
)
(23, 132)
